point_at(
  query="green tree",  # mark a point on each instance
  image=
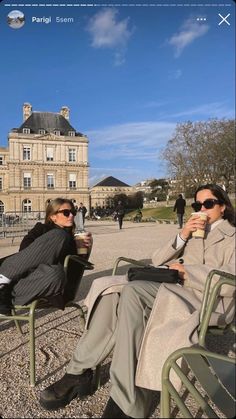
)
(129, 201)
(201, 152)
(159, 189)
(135, 200)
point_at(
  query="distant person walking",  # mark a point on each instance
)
(83, 210)
(179, 207)
(120, 212)
(80, 217)
(79, 224)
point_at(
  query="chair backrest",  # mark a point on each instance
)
(215, 374)
(217, 378)
(210, 298)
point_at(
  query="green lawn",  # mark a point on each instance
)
(160, 213)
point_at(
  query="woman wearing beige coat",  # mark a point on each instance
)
(144, 321)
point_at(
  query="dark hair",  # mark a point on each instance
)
(54, 206)
(222, 196)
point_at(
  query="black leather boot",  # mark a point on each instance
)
(66, 389)
(113, 411)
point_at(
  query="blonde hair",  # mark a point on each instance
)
(54, 206)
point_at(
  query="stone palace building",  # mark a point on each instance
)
(46, 158)
(102, 193)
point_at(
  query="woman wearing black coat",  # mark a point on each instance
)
(37, 269)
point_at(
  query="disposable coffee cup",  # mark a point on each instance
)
(81, 248)
(199, 232)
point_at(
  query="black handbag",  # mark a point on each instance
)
(150, 273)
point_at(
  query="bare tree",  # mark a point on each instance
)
(201, 152)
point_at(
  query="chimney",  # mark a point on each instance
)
(65, 111)
(27, 110)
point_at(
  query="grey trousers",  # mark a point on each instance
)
(180, 218)
(37, 271)
(118, 322)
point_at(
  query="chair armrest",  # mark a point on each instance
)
(171, 361)
(128, 260)
(78, 259)
(214, 372)
(210, 298)
(206, 292)
(179, 353)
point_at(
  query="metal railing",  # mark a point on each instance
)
(14, 224)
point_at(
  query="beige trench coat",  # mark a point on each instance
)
(175, 314)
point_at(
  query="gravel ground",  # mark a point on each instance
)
(57, 332)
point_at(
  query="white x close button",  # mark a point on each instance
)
(224, 19)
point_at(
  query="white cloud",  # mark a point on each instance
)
(175, 74)
(119, 58)
(136, 146)
(128, 151)
(155, 104)
(134, 140)
(208, 110)
(139, 135)
(107, 31)
(189, 31)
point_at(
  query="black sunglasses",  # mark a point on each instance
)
(66, 212)
(208, 204)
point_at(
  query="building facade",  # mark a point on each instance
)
(46, 158)
(106, 189)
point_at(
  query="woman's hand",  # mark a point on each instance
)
(194, 223)
(180, 268)
(88, 239)
(84, 240)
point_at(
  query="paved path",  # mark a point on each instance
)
(58, 331)
(135, 240)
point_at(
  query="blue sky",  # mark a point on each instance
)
(128, 74)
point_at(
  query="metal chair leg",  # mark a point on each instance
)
(32, 342)
(18, 326)
(97, 383)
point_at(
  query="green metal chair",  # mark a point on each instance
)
(209, 299)
(214, 372)
(127, 260)
(74, 267)
(210, 296)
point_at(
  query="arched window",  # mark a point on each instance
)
(1, 207)
(27, 205)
